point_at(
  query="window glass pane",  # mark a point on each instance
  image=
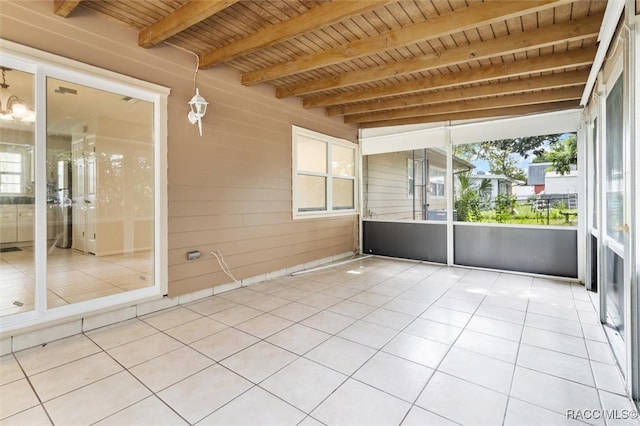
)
(312, 193)
(321, 187)
(312, 155)
(594, 173)
(529, 180)
(343, 194)
(343, 161)
(17, 196)
(396, 184)
(436, 181)
(11, 167)
(614, 164)
(100, 192)
(6, 178)
(410, 180)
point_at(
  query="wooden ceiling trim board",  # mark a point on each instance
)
(239, 20)
(575, 58)
(146, 12)
(465, 19)
(427, 9)
(544, 36)
(387, 61)
(114, 13)
(400, 14)
(180, 19)
(563, 12)
(64, 7)
(470, 115)
(546, 96)
(553, 81)
(411, 10)
(321, 16)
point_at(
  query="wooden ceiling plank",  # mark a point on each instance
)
(469, 115)
(465, 19)
(553, 81)
(181, 19)
(545, 36)
(322, 16)
(64, 7)
(545, 96)
(574, 58)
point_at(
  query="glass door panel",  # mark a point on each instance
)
(614, 239)
(615, 165)
(100, 193)
(17, 195)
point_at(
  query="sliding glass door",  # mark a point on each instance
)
(79, 191)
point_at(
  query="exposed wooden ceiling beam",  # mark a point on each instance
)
(572, 58)
(465, 19)
(553, 81)
(565, 94)
(322, 16)
(470, 115)
(64, 7)
(181, 19)
(519, 42)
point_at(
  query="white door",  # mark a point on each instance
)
(78, 192)
(90, 202)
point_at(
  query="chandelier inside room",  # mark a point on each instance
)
(11, 106)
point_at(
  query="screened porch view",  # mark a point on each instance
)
(510, 202)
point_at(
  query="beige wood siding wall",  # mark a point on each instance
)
(229, 190)
(386, 187)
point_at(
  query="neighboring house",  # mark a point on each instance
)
(544, 179)
(556, 183)
(523, 192)
(396, 181)
(536, 176)
(550, 185)
(500, 184)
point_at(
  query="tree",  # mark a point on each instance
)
(504, 163)
(503, 154)
(471, 193)
(563, 155)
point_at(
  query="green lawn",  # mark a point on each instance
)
(525, 215)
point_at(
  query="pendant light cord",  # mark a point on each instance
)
(195, 74)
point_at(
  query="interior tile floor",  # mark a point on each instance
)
(72, 276)
(374, 342)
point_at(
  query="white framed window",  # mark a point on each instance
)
(324, 174)
(10, 172)
(436, 182)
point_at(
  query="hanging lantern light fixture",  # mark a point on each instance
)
(198, 106)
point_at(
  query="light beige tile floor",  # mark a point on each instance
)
(375, 342)
(72, 276)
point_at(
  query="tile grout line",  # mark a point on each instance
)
(33, 389)
(356, 320)
(451, 345)
(515, 362)
(138, 380)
